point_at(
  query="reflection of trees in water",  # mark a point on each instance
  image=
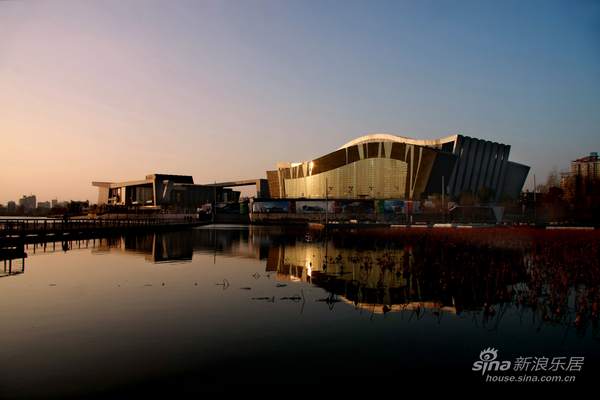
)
(563, 280)
(555, 276)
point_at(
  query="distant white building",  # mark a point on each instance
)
(587, 167)
(28, 202)
(44, 205)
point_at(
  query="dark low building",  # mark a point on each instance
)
(163, 191)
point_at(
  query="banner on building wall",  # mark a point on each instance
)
(354, 206)
(276, 206)
(393, 206)
(412, 207)
(401, 207)
(314, 206)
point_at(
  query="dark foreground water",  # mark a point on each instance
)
(204, 309)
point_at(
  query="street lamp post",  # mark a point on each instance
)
(214, 207)
(326, 202)
(534, 201)
(443, 190)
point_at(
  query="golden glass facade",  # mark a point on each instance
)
(383, 166)
(372, 177)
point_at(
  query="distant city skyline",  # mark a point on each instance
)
(223, 90)
(34, 202)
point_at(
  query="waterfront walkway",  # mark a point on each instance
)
(29, 230)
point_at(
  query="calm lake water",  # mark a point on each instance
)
(201, 309)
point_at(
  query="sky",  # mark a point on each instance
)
(223, 90)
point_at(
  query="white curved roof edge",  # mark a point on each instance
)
(387, 137)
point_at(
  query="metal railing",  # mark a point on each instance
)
(26, 226)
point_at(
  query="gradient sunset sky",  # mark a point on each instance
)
(222, 90)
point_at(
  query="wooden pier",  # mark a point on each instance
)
(10, 257)
(15, 232)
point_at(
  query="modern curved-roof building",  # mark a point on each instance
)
(386, 166)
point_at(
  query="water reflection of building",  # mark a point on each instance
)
(377, 280)
(157, 248)
(417, 273)
(397, 278)
(181, 245)
(372, 279)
